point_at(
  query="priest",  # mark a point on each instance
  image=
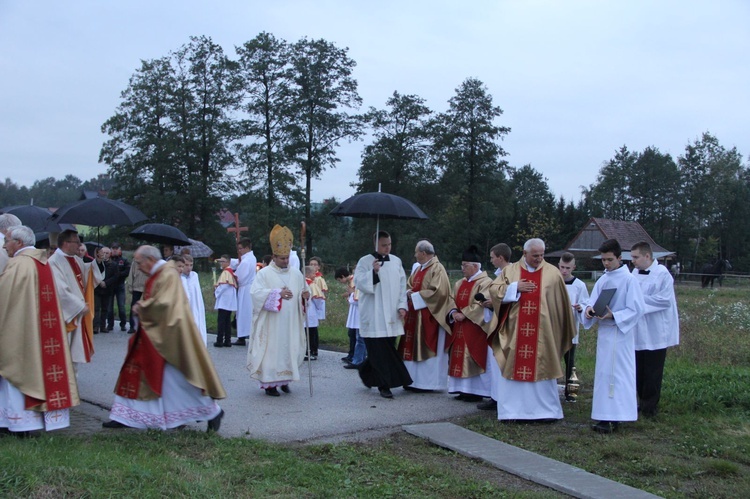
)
(72, 277)
(536, 329)
(472, 323)
(277, 341)
(167, 379)
(37, 381)
(423, 345)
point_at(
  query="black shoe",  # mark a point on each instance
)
(468, 397)
(218, 344)
(228, 344)
(96, 331)
(132, 331)
(240, 342)
(285, 389)
(109, 328)
(605, 427)
(385, 393)
(273, 392)
(105, 331)
(215, 423)
(351, 366)
(313, 357)
(489, 405)
(114, 425)
(346, 359)
(123, 329)
(416, 390)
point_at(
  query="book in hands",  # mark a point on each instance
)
(602, 301)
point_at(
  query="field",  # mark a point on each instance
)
(698, 446)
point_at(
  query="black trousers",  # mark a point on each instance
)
(314, 340)
(224, 326)
(383, 366)
(649, 371)
(135, 296)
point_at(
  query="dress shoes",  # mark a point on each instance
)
(114, 425)
(123, 329)
(272, 392)
(96, 331)
(488, 405)
(385, 393)
(605, 427)
(240, 342)
(218, 344)
(215, 423)
(469, 397)
(228, 344)
(409, 388)
(346, 359)
(285, 389)
(131, 331)
(351, 366)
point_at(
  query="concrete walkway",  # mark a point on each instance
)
(539, 469)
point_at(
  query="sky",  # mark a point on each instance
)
(576, 79)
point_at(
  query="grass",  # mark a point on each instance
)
(698, 446)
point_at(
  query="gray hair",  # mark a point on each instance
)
(8, 220)
(426, 246)
(23, 234)
(151, 252)
(533, 243)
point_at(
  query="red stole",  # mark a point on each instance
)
(86, 336)
(56, 385)
(406, 346)
(143, 361)
(527, 329)
(466, 335)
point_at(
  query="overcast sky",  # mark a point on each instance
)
(576, 79)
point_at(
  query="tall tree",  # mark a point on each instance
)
(169, 141)
(12, 194)
(265, 74)
(609, 196)
(467, 150)
(323, 90)
(533, 207)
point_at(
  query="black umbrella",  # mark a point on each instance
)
(197, 249)
(379, 205)
(96, 212)
(160, 233)
(36, 217)
(92, 247)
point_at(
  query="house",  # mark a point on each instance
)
(585, 244)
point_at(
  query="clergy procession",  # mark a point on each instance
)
(503, 341)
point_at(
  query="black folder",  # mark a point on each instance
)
(600, 307)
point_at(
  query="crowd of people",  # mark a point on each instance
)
(502, 340)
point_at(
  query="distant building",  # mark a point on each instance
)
(585, 245)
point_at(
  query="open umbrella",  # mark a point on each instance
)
(379, 205)
(36, 217)
(197, 249)
(96, 212)
(160, 233)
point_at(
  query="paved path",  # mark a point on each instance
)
(539, 469)
(341, 408)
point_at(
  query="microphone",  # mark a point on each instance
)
(480, 297)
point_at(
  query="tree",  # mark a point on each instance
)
(265, 75)
(11, 194)
(533, 207)
(323, 89)
(610, 196)
(169, 145)
(468, 153)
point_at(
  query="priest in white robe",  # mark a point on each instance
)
(277, 342)
(244, 271)
(422, 347)
(381, 282)
(536, 329)
(167, 379)
(71, 279)
(614, 376)
(37, 385)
